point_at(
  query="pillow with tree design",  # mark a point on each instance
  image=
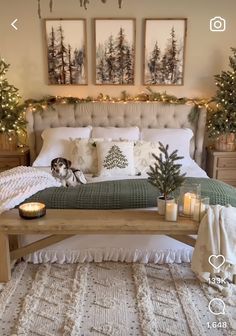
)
(115, 158)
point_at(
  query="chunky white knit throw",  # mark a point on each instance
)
(216, 240)
(22, 182)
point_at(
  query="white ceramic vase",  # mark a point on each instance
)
(161, 204)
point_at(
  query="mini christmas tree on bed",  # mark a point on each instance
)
(165, 174)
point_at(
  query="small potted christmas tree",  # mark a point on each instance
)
(166, 176)
(11, 117)
(222, 121)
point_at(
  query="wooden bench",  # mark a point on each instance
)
(62, 224)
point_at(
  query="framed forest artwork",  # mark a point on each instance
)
(66, 51)
(115, 51)
(164, 50)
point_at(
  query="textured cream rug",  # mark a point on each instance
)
(111, 299)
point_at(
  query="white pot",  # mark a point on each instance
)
(161, 204)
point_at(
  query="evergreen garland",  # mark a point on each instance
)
(165, 174)
(149, 96)
(223, 119)
(11, 116)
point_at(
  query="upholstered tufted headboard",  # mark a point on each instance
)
(142, 114)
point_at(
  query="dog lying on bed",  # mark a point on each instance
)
(68, 176)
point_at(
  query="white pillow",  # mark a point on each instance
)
(56, 143)
(176, 138)
(143, 155)
(115, 158)
(116, 133)
(84, 155)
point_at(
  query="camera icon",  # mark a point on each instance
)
(217, 24)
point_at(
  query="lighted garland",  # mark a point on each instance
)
(149, 96)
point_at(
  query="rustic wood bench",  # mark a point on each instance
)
(61, 224)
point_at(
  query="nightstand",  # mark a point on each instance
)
(11, 159)
(222, 166)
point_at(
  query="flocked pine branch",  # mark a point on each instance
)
(165, 174)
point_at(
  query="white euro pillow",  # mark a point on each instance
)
(176, 138)
(116, 133)
(56, 143)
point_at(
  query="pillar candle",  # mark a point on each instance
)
(189, 201)
(171, 212)
(199, 210)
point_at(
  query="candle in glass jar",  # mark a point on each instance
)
(189, 201)
(199, 210)
(32, 210)
(171, 212)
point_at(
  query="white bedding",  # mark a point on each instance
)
(129, 248)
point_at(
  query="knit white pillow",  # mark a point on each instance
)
(143, 155)
(84, 155)
(115, 158)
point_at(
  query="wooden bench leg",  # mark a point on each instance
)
(13, 242)
(5, 266)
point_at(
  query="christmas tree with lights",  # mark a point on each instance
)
(223, 120)
(12, 120)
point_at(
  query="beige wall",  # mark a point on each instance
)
(206, 52)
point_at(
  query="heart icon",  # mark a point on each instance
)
(216, 261)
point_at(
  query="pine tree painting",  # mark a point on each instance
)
(66, 52)
(115, 51)
(164, 51)
(115, 158)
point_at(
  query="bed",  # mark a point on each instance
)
(145, 115)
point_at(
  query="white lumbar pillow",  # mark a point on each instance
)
(56, 143)
(176, 138)
(116, 133)
(115, 158)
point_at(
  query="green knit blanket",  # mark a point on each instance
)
(124, 194)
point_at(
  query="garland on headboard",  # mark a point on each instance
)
(149, 96)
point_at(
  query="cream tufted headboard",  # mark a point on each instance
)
(142, 114)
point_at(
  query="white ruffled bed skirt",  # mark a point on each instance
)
(124, 248)
(111, 254)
